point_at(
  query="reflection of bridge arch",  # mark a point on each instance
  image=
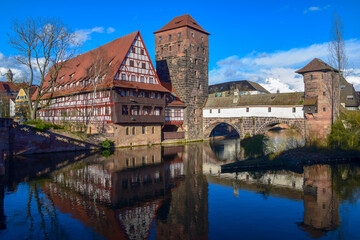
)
(210, 127)
(273, 122)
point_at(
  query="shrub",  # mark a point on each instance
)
(107, 144)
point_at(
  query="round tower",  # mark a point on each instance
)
(182, 58)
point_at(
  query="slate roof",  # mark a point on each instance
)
(182, 21)
(279, 99)
(242, 85)
(112, 55)
(316, 65)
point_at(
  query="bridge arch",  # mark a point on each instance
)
(208, 129)
(271, 123)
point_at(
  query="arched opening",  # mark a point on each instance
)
(224, 131)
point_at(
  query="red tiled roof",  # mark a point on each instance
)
(316, 65)
(113, 52)
(177, 102)
(182, 21)
(8, 87)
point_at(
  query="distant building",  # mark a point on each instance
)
(21, 104)
(8, 93)
(243, 87)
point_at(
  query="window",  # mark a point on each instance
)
(133, 50)
(131, 63)
(143, 129)
(169, 37)
(342, 86)
(160, 38)
(247, 109)
(133, 131)
(153, 131)
(324, 109)
(142, 79)
(179, 47)
(61, 78)
(143, 65)
(197, 74)
(196, 61)
(151, 80)
(204, 50)
(142, 52)
(127, 131)
(218, 110)
(123, 76)
(192, 35)
(293, 110)
(350, 97)
(179, 34)
(210, 110)
(269, 109)
(323, 93)
(311, 77)
(133, 78)
(125, 110)
(195, 98)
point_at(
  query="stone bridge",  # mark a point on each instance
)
(252, 125)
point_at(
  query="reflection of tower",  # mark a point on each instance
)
(320, 202)
(182, 57)
(2, 196)
(186, 214)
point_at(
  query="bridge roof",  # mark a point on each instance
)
(279, 99)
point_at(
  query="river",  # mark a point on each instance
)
(174, 192)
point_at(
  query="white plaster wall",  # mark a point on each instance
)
(256, 111)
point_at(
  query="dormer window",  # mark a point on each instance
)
(350, 97)
(61, 78)
(70, 76)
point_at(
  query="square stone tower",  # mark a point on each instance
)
(322, 98)
(182, 58)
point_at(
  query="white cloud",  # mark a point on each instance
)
(110, 30)
(277, 70)
(316, 9)
(84, 35)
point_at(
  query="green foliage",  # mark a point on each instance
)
(345, 133)
(107, 144)
(43, 126)
(254, 146)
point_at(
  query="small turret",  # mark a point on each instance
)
(9, 76)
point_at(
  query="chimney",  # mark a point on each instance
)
(9, 76)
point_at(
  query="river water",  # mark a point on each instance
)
(175, 192)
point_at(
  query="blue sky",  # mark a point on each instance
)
(259, 40)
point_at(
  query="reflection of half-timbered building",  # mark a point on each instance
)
(114, 83)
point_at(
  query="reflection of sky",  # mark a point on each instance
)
(63, 226)
(251, 216)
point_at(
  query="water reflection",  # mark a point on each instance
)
(234, 149)
(163, 193)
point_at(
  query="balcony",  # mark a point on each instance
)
(138, 118)
(173, 135)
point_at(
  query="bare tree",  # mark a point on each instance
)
(338, 59)
(43, 46)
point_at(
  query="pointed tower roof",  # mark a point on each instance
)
(316, 65)
(182, 21)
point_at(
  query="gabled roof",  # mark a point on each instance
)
(111, 56)
(316, 65)
(242, 86)
(182, 21)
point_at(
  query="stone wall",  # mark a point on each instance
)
(182, 59)
(324, 86)
(131, 135)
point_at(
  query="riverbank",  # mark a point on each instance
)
(294, 159)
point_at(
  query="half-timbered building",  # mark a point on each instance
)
(113, 88)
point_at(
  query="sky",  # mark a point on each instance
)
(259, 40)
